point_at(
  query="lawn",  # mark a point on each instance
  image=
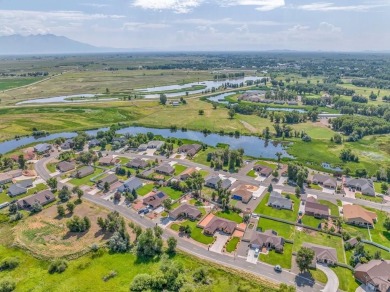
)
(232, 244)
(283, 229)
(320, 239)
(311, 221)
(318, 275)
(315, 187)
(124, 160)
(282, 259)
(203, 173)
(36, 189)
(334, 209)
(267, 164)
(347, 281)
(173, 194)
(290, 215)
(368, 198)
(145, 189)
(86, 180)
(179, 168)
(196, 232)
(201, 156)
(230, 215)
(86, 273)
(252, 173)
(51, 167)
(356, 231)
(379, 233)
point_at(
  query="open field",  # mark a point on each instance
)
(8, 83)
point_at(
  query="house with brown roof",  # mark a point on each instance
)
(155, 200)
(165, 169)
(65, 166)
(189, 149)
(375, 275)
(6, 177)
(43, 198)
(110, 179)
(322, 254)
(186, 211)
(263, 170)
(137, 163)
(316, 209)
(220, 224)
(241, 193)
(357, 215)
(108, 160)
(268, 239)
(325, 181)
(187, 173)
(83, 172)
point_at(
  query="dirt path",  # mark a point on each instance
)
(248, 126)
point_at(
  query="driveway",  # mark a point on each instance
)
(333, 282)
(251, 258)
(220, 242)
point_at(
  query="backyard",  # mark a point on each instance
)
(230, 215)
(290, 215)
(179, 168)
(196, 232)
(86, 180)
(283, 229)
(334, 209)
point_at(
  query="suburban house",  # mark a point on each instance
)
(325, 181)
(352, 241)
(189, 149)
(137, 163)
(28, 154)
(68, 144)
(220, 224)
(83, 172)
(110, 179)
(278, 201)
(241, 193)
(187, 173)
(155, 200)
(65, 166)
(375, 275)
(20, 187)
(156, 145)
(6, 177)
(142, 147)
(263, 170)
(165, 169)
(43, 198)
(315, 209)
(186, 211)
(213, 180)
(108, 160)
(42, 148)
(133, 183)
(357, 215)
(363, 185)
(93, 143)
(268, 239)
(322, 254)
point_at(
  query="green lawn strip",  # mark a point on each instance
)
(86, 180)
(230, 215)
(368, 198)
(283, 229)
(347, 281)
(86, 273)
(378, 187)
(51, 167)
(310, 221)
(290, 215)
(252, 173)
(267, 164)
(203, 173)
(315, 187)
(173, 194)
(318, 275)
(282, 259)
(145, 189)
(124, 160)
(179, 168)
(232, 244)
(370, 248)
(379, 233)
(356, 231)
(196, 232)
(334, 210)
(320, 239)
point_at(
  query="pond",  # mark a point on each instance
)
(66, 98)
(330, 167)
(253, 146)
(148, 92)
(220, 98)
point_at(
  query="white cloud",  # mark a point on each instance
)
(178, 6)
(329, 6)
(261, 5)
(6, 30)
(229, 21)
(299, 27)
(135, 26)
(328, 27)
(95, 5)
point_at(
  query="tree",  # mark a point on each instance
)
(231, 113)
(270, 188)
(279, 155)
(386, 224)
(297, 191)
(163, 99)
(13, 208)
(106, 187)
(52, 183)
(304, 258)
(167, 204)
(64, 194)
(275, 174)
(77, 224)
(61, 211)
(384, 187)
(58, 266)
(215, 105)
(7, 286)
(201, 112)
(172, 242)
(149, 244)
(70, 207)
(36, 208)
(21, 161)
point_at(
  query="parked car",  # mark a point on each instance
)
(278, 269)
(257, 251)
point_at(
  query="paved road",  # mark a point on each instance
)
(333, 281)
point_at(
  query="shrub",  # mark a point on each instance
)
(7, 286)
(58, 266)
(9, 264)
(109, 276)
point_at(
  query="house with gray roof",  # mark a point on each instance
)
(186, 211)
(156, 144)
(322, 254)
(110, 179)
(278, 201)
(137, 163)
(268, 239)
(189, 149)
(133, 183)
(213, 180)
(6, 177)
(142, 147)
(316, 209)
(65, 166)
(16, 190)
(43, 198)
(325, 181)
(375, 275)
(155, 200)
(68, 144)
(165, 169)
(42, 148)
(365, 186)
(93, 143)
(83, 172)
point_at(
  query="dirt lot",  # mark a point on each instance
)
(47, 235)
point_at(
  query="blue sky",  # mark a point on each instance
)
(329, 25)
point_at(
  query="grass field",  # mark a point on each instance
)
(311, 221)
(86, 180)
(179, 168)
(232, 244)
(347, 281)
(273, 166)
(173, 194)
(334, 209)
(356, 231)
(230, 215)
(51, 167)
(8, 83)
(285, 230)
(379, 233)
(252, 173)
(282, 259)
(290, 215)
(145, 189)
